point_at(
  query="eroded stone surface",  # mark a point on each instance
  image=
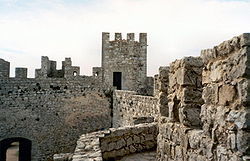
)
(224, 117)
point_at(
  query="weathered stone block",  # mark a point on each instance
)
(243, 142)
(231, 140)
(210, 94)
(240, 118)
(227, 94)
(63, 157)
(178, 153)
(163, 104)
(245, 39)
(191, 95)
(167, 148)
(192, 76)
(189, 115)
(163, 79)
(238, 65)
(243, 89)
(246, 158)
(194, 138)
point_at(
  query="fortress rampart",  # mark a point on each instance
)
(199, 110)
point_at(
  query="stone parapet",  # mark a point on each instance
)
(128, 107)
(116, 143)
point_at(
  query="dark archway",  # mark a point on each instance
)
(24, 148)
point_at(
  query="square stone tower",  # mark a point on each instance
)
(124, 61)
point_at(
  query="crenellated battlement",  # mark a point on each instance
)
(130, 37)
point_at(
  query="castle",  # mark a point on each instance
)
(194, 109)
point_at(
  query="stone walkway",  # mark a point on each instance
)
(12, 153)
(146, 156)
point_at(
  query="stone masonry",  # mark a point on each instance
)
(129, 108)
(225, 114)
(129, 57)
(21, 72)
(223, 135)
(48, 69)
(199, 109)
(4, 69)
(161, 86)
(185, 89)
(114, 143)
(52, 110)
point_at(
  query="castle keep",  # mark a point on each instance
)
(195, 109)
(124, 62)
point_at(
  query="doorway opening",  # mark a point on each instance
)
(15, 149)
(117, 80)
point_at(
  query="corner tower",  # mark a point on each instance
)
(124, 61)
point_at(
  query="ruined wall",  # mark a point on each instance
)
(149, 87)
(225, 114)
(48, 69)
(52, 113)
(223, 135)
(161, 87)
(156, 84)
(129, 107)
(97, 72)
(4, 69)
(128, 57)
(115, 143)
(185, 90)
(69, 70)
(184, 104)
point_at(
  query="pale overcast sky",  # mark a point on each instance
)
(72, 28)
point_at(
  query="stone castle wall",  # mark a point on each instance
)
(130, 109)
(223, 134)
(52, 113)
(200, 105)
(19, 85)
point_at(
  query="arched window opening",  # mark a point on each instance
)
(74, 73)
(15, 149)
